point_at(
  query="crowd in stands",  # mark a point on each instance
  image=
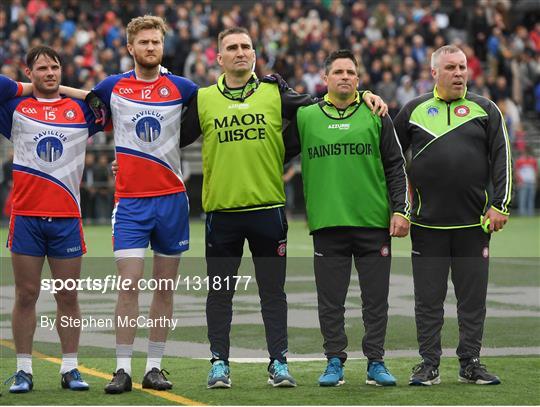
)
(392, 39)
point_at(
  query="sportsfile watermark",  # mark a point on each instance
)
(512, 305)
(91, 322)
(117, 283)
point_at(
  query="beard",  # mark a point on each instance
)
(43, 89)
(141, 61)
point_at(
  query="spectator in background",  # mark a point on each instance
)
(10, 72)
(500, 89)
(88, 190)
(200, 76)
(405, 91)
(419, 51)
(458, 20)
(312, 79)
(424, 84)
(289, 173)
(387, 90)
(534, 37)
(103, 185)
(537, 98)
(474, 66)
(512, 116)
(526, 74)
(480, 88)
(527, 177)
(5, 187)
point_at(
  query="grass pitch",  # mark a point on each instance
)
(250, 387)
(515, 271)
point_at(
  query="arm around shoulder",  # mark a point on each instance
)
(190, 127)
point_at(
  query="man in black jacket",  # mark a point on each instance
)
(458, 140)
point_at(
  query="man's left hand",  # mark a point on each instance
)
(375, 103)
(399, 226)
(276, 78)
(101, 113)
(496, 220)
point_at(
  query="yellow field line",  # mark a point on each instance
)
(96, 373)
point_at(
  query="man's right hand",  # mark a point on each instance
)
(399, 226)
(114, 167)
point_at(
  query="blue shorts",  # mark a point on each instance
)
(161, 220)
(41, 236)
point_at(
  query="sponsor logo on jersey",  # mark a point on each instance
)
(49, 149)
(282, 249)
(461, 111)
(148, 129)
(29, 110)
(70, 114)
(164, 92)
(340, 126)
(239, 106)
(432, 111)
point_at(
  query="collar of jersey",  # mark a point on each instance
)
(238, 93)
(437, 96)
(162, 71)
(331, 110)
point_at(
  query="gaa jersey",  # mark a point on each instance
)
(49, 140)
(146, 121)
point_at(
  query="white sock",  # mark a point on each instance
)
(24, 362)
(155, 353)
(123, 357)
(69, 362)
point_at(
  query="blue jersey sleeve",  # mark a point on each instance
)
(6, 116)
(9, 88)
(104, 89)
(186, 87)
(93, 128)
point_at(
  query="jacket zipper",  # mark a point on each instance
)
(448, 112)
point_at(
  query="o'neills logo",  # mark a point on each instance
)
(282, 249)
(385, 251)
(461, 111)
(238, 106)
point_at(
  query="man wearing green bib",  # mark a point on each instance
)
(241, 120)
(355, 188)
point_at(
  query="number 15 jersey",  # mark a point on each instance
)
(49, 138)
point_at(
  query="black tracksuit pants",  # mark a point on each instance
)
(434, 252)
(334, 250)
(266, 232)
